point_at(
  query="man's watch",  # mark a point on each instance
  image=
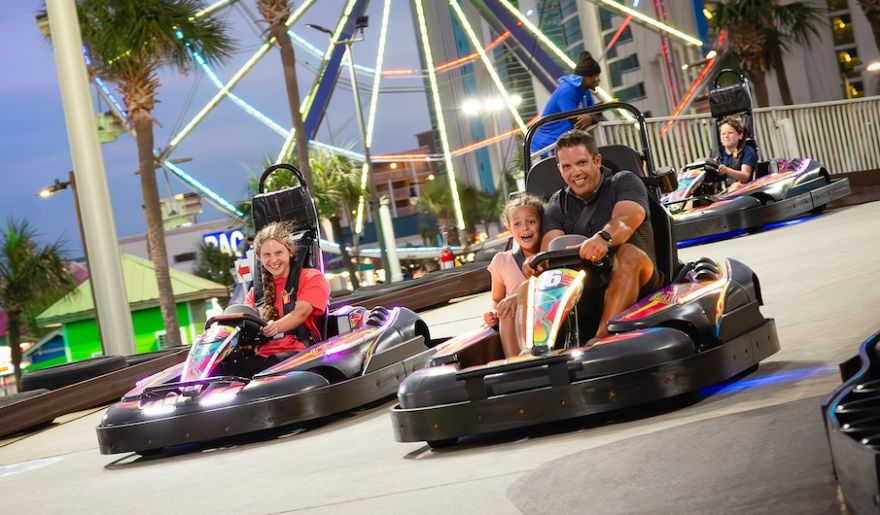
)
(605, 236)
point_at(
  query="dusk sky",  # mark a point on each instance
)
(34, 145)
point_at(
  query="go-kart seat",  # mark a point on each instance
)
(734, 100)
(544, 179)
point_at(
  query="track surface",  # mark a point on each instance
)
(820, 281)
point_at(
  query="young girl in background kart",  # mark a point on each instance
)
(274, 247)
(522, 216)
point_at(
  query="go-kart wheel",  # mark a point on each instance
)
(442, 444)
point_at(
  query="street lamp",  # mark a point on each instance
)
(359, 25)
(55, 188)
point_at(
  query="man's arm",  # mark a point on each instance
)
(626, 216)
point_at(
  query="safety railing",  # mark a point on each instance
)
(842, 135)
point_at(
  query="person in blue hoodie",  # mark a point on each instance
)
(573, 92)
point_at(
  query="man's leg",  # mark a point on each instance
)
(632, 270)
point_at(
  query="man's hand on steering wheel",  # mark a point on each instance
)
(594, 249)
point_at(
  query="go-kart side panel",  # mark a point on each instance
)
(722, 216)
(615, 354)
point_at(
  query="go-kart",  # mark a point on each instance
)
(852, 423)
(214, 393)
(702, 327)
(781, 189)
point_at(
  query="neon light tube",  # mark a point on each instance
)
(647, 20)
(438, 109)
(489, 67)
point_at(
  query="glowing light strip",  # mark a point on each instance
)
(211, 8)
(485, 142)
(227, 88)
(687, 97)
(315, 50)
(647, 20)
(473, 56)
(530, 313)
(214, 198)
(307, 103)
(557, 320)
(438, 109)
(601, 93)
(618, 33)
(371, 117)
(489, 67)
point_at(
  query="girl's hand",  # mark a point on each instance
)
(271, 328)
(490, 318)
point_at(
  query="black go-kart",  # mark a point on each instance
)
(852, 423)
(781, 189)
(363, 358)
(702, 327)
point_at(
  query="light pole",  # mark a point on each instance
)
(360, 24)
(55, 188)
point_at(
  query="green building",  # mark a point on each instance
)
(75, 313)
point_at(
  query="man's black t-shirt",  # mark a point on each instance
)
(564, 207)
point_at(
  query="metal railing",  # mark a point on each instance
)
(842, 135)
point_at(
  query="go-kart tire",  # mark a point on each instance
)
(15, 397)
(67, 374)
(442, 444)
(137, 359)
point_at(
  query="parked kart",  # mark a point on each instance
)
(782, 189)
(364, 357)
(702, 327)
(852, 423)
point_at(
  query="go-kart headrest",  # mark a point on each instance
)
(544, 179)
(293, 206)
(730, 100)
(621, 157)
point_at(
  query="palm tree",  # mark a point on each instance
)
(761, 32)
(30, 276)
(128, 43)
(215, 265)
(872, 12)
(276, 13)
(337, 186)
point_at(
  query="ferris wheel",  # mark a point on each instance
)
(507, 28)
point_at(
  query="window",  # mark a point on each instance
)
(842, 30)
(617, 69)
(567, 7)
(628, 94)
(837, 5)
(606, 19)
(572, 29)
(848, 59)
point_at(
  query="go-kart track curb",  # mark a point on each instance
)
(110, 387)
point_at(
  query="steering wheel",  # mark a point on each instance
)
(242, 316)
(569, 258)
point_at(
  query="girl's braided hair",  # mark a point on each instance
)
(281, 233)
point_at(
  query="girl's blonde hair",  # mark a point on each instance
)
(281, 233)
(523, 200)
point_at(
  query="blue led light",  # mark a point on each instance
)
(788, 376)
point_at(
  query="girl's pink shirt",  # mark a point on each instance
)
(503, 266)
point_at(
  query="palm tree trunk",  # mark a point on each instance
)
(288, 60)
(782, 79)
(155, 230)
(336, 224)
(13, 332)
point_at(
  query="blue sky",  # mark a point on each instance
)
(34, 146)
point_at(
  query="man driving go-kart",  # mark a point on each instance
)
(610, 210)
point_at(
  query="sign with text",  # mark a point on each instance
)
(229, 242)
